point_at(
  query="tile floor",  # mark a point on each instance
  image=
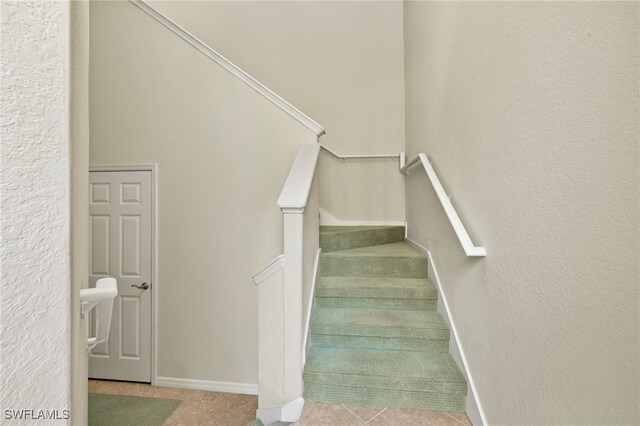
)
(216, 408)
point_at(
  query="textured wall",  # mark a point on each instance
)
(34, 183)
(339, 62)
(529, 112)
(223, 154)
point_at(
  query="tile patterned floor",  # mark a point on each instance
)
(216, 408)
(317, 414)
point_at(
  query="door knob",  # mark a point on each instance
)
(144, 286)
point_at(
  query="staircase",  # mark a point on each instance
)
(376, 337)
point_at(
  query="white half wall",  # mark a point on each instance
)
(35, 331)
(341, 62)
(529, 113)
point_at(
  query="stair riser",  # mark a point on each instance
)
(390, 343)
(323, 290)
(319, 380)
(363, 331)
(356, 239)
(373, 266)
(384, 398)
(367, 302)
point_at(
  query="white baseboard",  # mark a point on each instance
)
(289, 412)
(207, 385)
(473, 404)
(312, 306)
(327, 219)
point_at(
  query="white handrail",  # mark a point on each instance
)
(359, 156)
(231, 67)
(295, 192)
(463, 236)
(90, 297)
(100, 297)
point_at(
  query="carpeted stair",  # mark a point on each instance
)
(376, 338)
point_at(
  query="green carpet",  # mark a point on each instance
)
(120, 410)
(335, 238)
(394, 260)
(376, 336)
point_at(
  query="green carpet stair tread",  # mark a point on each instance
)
(398, 249)
(394, 329)
(387, 260)
(384, 369)
(379, 323)
(334, 238)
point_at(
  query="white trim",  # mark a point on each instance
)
(327, 219)
(461, 232)
(399, 155)
(475, 412)
(295, 191)
(272, 267)
(154, 256)
(153, 168)
(312, 304)
(207, 385)
(142, 167)
(230, 67)
(290, 412)
(417, 246)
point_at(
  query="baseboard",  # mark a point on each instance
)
(327, 219)
(207, 385)
(473, 404)
(312, 306)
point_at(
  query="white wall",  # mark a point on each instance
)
(339, 62)
(35, 335)
(223, 154)
(529, 112)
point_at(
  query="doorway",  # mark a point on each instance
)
(121, 237)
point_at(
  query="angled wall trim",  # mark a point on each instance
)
(475, 411)
(294, 112)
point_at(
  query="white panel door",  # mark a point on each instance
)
(120, 244)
